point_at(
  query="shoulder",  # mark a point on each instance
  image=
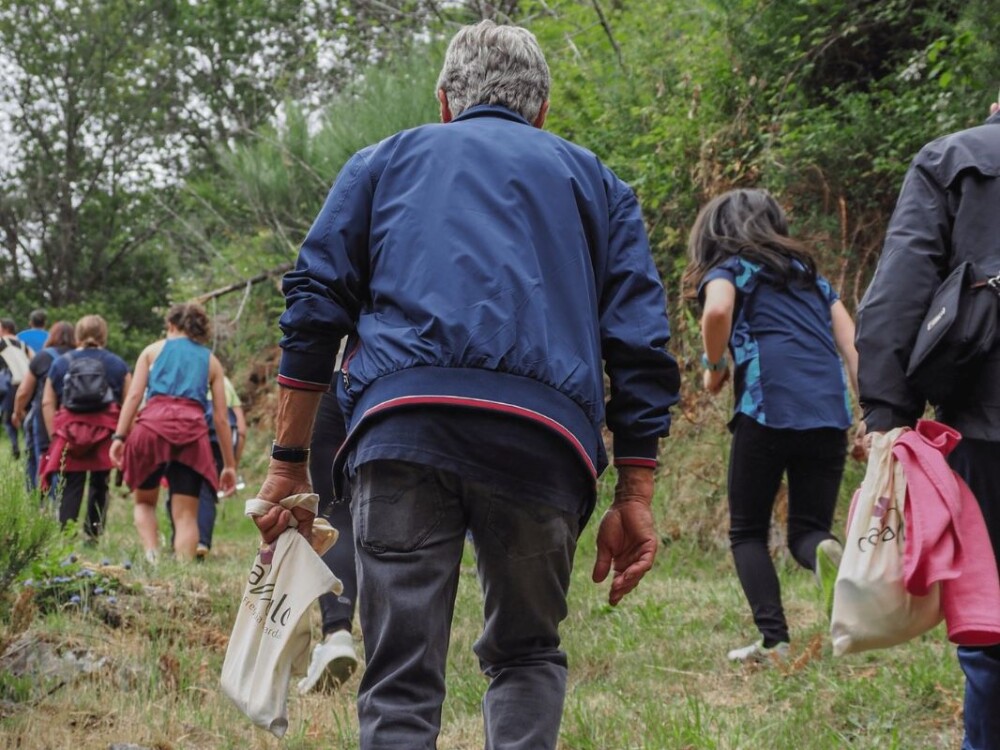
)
(232, 397)
(153, 350)
(113, 360)
(976, 148)
(60, 363)
(737, 271)
(826, 289)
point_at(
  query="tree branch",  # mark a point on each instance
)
(611, 37)
(237, 286)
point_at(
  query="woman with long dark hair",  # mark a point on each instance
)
(783, 325)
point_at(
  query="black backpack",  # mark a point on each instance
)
(85, 386)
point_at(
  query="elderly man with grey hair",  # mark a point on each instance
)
(487, 274)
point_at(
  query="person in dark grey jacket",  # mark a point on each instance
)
(948, 212)
(487, 275)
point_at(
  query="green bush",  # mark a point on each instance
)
(26, 531)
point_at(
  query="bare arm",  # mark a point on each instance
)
(227, 478)
(716, 327)
(23, 397)
(843, 336)
(50, 403)
(130, 405)
(293, 429)
(241, 432)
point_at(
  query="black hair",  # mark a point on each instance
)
(748, 223)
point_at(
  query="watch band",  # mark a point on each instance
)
(722, 364)
(289, 455)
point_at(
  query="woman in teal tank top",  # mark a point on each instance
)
(168, 437)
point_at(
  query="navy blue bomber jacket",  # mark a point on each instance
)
(485, 263)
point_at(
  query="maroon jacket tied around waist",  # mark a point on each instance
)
(169, 429)
(80, 442)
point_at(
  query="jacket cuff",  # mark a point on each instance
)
(636, 451)
(305, 371)
(885, 418)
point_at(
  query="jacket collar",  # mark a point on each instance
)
(994, 118)
(490, 110)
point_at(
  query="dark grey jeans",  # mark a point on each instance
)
(410, 523)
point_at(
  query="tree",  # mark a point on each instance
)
(107, 105)
(85, 105)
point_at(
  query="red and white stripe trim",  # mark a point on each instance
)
(498, 406)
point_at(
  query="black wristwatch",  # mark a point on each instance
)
(118, 436)
(289, 455)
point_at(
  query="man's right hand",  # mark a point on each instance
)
(627, 540)
(283, 480)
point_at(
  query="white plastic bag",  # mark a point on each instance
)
(270, 638)
(871, 607)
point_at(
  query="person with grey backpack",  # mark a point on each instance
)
(80, 406)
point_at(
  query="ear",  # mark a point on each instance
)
(542, 112)
(446, 115)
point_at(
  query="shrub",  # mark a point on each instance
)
(27, 530)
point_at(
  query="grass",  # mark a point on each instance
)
(649, 674)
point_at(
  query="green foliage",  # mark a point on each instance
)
(250, 212)
(88, 112)
(648, 111)
(26, 534)
(100, 127)
(275, 180)
(832, 100)
(204, 177)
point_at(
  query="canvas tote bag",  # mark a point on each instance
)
(871, 607)
(270, 639)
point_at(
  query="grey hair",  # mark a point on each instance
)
(491, 64)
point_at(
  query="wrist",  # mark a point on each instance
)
(721, 364)
(289, 454)
(118, 437)
(635, 484)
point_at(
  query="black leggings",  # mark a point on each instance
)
(759, 458)
(72, 486)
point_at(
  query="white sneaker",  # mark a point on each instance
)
(152, 556)
(755, 653)
(333, 662)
